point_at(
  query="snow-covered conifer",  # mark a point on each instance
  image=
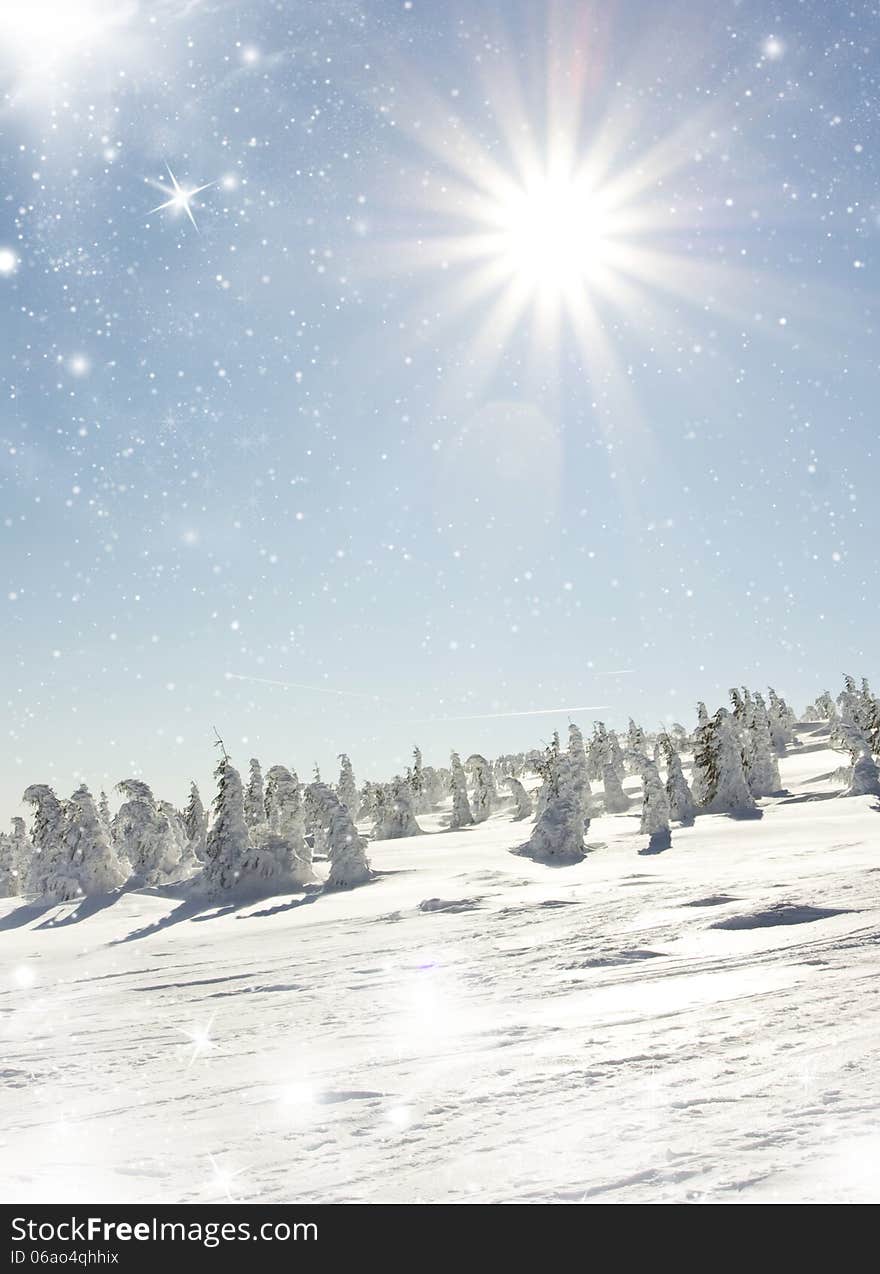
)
(655, 808)
(15, 855)
(284, 810)
(49, 874)
(762, 768)
(90, 856)
(346, 788)
(398, 814)
(461, 809)
(701, 771)
(546, 764)
(522, 800)
(616, 800)
(195, 823)
(434, 786)
(780, 720)
(227, 842)
(848, 701)
(10, 880)
(578, 770)
(826, 707)
(728, 789)
(187, 861)
(349, 865)
(682, 807)
(485, 795)
(598, 753)
(104, 813)
(417, 782)
(865, 779)
(740, 705)
(144, 836)
(254, 797)
(558, 835)
(636, 743)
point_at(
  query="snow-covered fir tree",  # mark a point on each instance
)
(143, 835)
(762, 767)
(269, 865)
(195, 823)
(615, 754)
(10, 879)
(522, 800)
(349, 865)
(722, 762)
(858, 707)
(227, 842)
(15, 854)
(636, 743)
(781, 723)
(682, 806)
(484, 796)
(700, 773)
(848, 701)
(865, 779)
(398, 817)
(104, 813)
(255, 796)
(436, 781)
(598, 752)
(90, 856)
(616, 800)
(740, 705)
(416, 778)
(49, 874)
(848, 737)
(546, 765)
(558, 835)
(187, 859)
(655, 809)
(461, 810)
(826, 707)
(284, 811)
(346, 788)
(578, 770)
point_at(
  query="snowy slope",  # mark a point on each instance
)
(697, 1025)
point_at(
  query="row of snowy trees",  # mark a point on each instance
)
(735, 763)
(258, 839)
(265, 836)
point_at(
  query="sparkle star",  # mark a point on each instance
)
(180, 197)
(201, 1040)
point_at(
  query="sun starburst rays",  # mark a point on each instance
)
(553, 214)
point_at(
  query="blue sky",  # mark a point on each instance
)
(307, 442)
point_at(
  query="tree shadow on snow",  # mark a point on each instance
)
(187, 910)
(313, 892)
(811, 796)
(281, 907)
(87, 907)
(24, 914)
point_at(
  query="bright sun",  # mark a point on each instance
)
(554, 235)
(50, 37)
(556, 217)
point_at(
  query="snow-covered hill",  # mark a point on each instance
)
(696, 1025)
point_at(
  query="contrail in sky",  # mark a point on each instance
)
(357, 694)
(299, 685)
